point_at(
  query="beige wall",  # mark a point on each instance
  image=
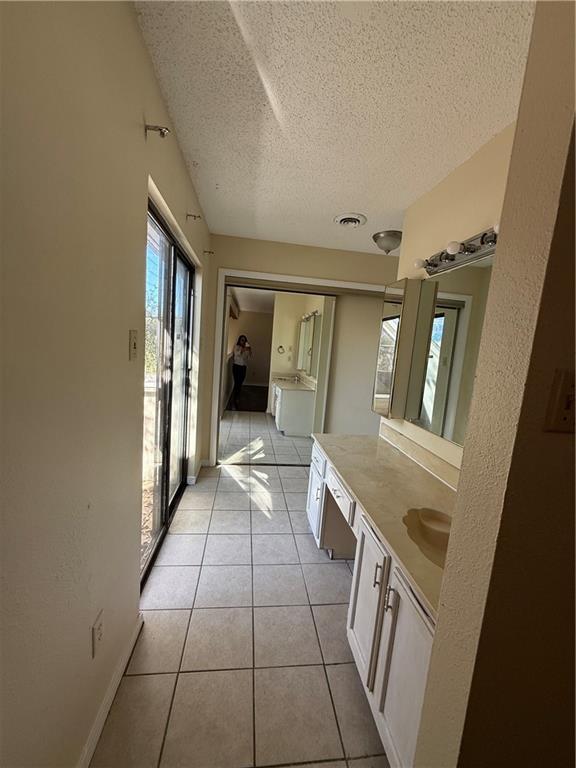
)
(257, 326)
(499, 690)
(77, 87)
(466, 202)
(463, 204)
(353, 366)
(288, 311)
(308, 261)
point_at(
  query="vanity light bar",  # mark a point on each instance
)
(458, 254)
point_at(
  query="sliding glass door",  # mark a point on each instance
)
(180, 375)
(167, 351)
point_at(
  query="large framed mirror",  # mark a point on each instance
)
(449, 326)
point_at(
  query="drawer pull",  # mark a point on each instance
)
(376, 582)
(388, 601)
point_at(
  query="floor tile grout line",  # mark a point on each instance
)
(239, 669)
(212, 607)
(323, 761)
(181, 656)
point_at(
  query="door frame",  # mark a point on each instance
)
(168, 506)
(279, 282)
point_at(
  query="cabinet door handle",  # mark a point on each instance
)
(388, 599)
(335, 493)
(317, 494)
(376, 582)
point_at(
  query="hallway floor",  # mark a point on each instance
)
(243, 658)
(252, 399)
(252, 438)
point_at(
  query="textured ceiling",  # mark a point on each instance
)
(254, 299)
(289, 113)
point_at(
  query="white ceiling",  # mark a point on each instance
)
(254, 299)
(289, 113)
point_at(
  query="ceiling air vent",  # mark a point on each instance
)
(350, 220)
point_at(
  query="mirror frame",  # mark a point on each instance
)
(403, 349)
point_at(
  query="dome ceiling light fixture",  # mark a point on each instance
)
(387, 240)
(351, 220)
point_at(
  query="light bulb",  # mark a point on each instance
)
(453, 247)
(419, 263)
(496, 227)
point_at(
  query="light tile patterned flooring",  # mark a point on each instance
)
(243, 658)
(252, 438)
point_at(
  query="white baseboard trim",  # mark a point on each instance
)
(104, 708)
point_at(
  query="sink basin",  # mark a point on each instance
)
(435, 526)
(429, 529)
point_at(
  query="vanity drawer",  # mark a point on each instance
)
(318, 460)
(341, 495)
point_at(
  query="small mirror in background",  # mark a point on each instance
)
(448, 332)
(308, 344)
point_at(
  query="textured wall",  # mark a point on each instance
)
(332, 104)
(77, 86)
(503, 606)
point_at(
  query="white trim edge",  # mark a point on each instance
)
(102, 714)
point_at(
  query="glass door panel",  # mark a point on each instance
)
(439, 367)
(180, 356)
(156, 373)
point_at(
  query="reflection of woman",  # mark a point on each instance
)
(242, 351)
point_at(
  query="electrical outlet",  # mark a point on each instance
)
(97, 633)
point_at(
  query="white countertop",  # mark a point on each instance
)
(293, 385)
(391, 489)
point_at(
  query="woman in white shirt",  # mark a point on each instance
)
(242, 351)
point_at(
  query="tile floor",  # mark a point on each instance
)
(243, 658)
(250, 437)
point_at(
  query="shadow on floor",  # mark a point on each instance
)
(251, 399)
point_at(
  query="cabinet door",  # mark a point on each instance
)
(366, 606)
(278, 415)
(314, 501)
(403, 667)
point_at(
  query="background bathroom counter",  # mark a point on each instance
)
(391, 489)
(293, 385)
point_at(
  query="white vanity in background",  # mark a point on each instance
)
(368, 500)
(293, 405)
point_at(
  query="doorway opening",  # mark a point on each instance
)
(167, 361)
(276, 354)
